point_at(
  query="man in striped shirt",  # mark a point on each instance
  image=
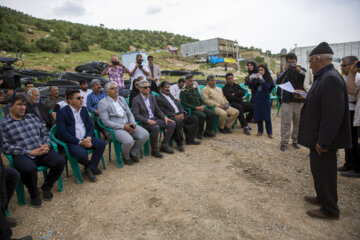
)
(28, 141)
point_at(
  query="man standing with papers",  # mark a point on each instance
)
(291, 106)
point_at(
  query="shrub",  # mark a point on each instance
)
(48, 45)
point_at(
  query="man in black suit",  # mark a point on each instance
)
(146, 110)
(34, 106)
(324, 128)
(173, 110)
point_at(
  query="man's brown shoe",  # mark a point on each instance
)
(312, 200)
(317, 213)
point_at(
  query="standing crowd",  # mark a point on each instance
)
(325, 121)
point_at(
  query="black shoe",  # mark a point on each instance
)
(47, 194)
(351, 174)
(97, 171)
(344, 168)
(90, 175)
(193, 142)
(156, 154)
(283, 147)
(23, 238)
(223, 131)
(13, 222)
(296, 145)
(200, 136)
(135, 159)
(247, 131)
(128, 161)
(227, 130)
(180, 148)
(209, 134)
(36, 201)
(166, 150)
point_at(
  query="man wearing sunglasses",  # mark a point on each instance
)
(77, 131)
(115, 114)
(147, 111)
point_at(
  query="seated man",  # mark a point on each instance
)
(28, 141)
(94, 98)
(146, 110)
(77, 131)
(234, 94)
(28, 86)
(10, 180)
(190, 98)
(213, 96)
(115, 114)
(53, 98)
(39, 109)
(176, 89)
(84, 91)
(173, 110)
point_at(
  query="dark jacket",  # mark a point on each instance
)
(297, 80)
(166, 106)
(3, 196)
(140, 110)
(44, 111)
(237, 90)
(65, 123)
(325, 115)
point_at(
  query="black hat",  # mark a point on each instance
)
(322, 48)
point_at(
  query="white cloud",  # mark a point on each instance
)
(69, 9)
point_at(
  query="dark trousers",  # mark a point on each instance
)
(324, 171)
(207, 115)
(11, 180)
(81, 154)
(352, 156)
(267, 125)
(27, 168)
(190, 125)
(5, 230)
(154, 133)
(244, 108)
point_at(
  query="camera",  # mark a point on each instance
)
(10, 79)
(291, 66)
(115, 63)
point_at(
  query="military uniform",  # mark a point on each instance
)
(190, 98)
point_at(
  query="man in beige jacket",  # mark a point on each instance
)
(213, 96)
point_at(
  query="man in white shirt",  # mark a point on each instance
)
(84, 91)
(77, 131)
(175, 89)
(138, 69)
(351, 168)
(115, 114)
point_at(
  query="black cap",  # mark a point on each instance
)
(321, 49)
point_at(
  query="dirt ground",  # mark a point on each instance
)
(230, 187)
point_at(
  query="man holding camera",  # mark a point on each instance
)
(291, 106)
(138, 69)
(154, 75)
(116, 70)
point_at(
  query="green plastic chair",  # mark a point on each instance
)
(220, 85)
(20, 192)
(1, 113)
(69, 157)
(247, 92)
(154, 93)
(117, 145)
(201, 87)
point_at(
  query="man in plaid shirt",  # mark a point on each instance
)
(28, 141)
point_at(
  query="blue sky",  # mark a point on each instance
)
(269, 25)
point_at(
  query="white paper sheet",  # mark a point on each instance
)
(289, 87)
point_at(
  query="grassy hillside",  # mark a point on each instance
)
(24, 32)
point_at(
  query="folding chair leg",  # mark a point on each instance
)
(20, 193)
(147, 148)
(119, 161)
(103, 162)
(60, 184)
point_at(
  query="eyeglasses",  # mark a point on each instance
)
(113, 88)
(79, 98)
(145, 87)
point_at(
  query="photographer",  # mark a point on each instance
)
(291, 106)
(138, 69)
(116, 70)
(154, 75)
